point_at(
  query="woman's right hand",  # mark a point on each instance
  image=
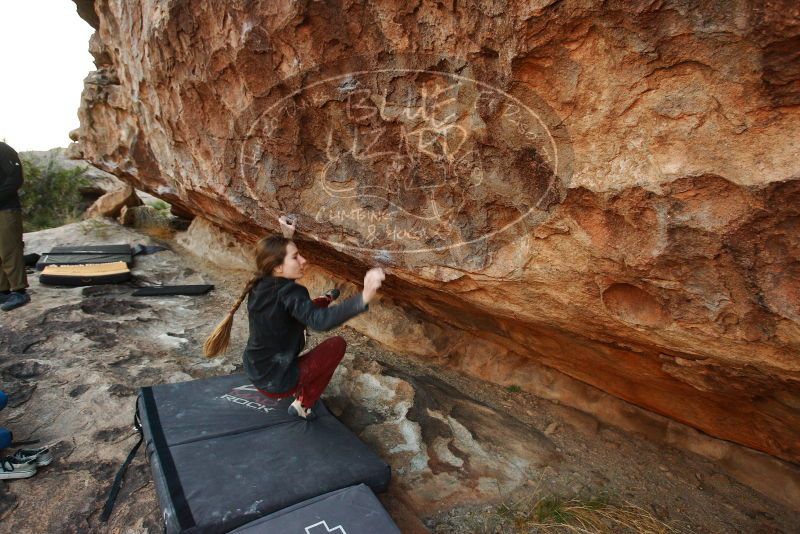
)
(372, 282)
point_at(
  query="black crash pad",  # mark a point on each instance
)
(85, 275)
(223, 455)
(352, 510)
(86, 254)
(158, 291)
(31, 259)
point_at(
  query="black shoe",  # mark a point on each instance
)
(15, 300)
(38, 457)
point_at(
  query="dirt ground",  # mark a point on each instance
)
(73, 359)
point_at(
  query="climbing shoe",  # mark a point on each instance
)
(310, 416)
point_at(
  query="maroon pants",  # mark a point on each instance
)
(316, 367)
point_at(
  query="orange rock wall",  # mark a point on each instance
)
(663, 265)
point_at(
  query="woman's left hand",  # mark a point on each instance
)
(287, 226)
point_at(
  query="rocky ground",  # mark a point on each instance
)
(466, 455)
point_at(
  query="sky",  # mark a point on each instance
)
(44, 53)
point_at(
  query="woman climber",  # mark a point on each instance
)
(279, 311)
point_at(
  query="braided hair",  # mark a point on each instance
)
(269, 253)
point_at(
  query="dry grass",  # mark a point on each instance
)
(553, 515)
(158, 232)
(591, 516)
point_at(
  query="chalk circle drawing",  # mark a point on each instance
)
(404, 160)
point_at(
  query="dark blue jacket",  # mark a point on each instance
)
(10, 178)
(280, 309)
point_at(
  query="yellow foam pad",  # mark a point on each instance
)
(94, 269)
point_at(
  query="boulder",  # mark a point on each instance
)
(611, 194)
(111, 203)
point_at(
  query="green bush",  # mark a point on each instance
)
(160, 205)
(50, 195)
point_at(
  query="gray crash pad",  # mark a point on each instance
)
(223, 455)
(352, 510)
(86, 255)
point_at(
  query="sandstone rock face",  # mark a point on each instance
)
(611, 192)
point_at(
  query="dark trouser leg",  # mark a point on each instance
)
(317, 367)
(4, 285)
(6, 437)
(12, 264)
(276, 395)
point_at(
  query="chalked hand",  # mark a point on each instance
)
(287, 223)
(372, 282)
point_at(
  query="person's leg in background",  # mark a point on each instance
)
(23, 463)
(5, 434)
(5, 285)
(12, 264)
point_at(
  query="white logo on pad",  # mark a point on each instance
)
(312, 529)
(247, 387)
